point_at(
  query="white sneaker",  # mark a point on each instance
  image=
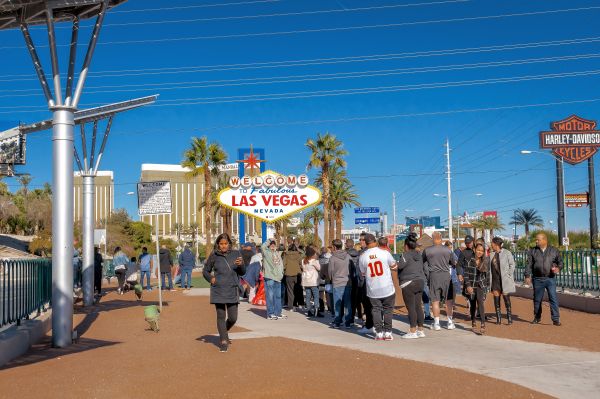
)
(450, 325)
(365, 331)
(420, 334)
(410, 335)
(387, 336)
(379, 336)
(282, 316)
(436, 327)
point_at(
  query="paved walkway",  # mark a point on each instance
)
(555, 370)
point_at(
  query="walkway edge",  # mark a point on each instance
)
(16, 341)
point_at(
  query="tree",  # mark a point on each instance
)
(178, 227)
(315, 214)
(342, 196)
(527, 218)
(219, 209)
(326, 152)
(490, 223)
(25, 180)
(203, 159)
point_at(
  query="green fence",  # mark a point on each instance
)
(25, 288)
(580, 271)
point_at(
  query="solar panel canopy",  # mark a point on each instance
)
(33, 12)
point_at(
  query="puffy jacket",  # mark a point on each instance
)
(165, 260)
(310, 273)
(540, 263)
(187, 260)
(226, 273)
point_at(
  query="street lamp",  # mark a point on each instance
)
(560, 192)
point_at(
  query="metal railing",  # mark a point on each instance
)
(580, 270)
(25, 288)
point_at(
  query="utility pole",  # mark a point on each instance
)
(394, 219)
(448, 178)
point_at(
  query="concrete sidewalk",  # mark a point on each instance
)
(555, 370)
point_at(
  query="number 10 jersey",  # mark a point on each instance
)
(375, 265)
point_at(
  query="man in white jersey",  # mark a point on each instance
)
(376, 265)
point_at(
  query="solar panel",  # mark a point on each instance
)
(33, 12)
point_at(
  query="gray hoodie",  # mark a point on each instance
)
(339, 269)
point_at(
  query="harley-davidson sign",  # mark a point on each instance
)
(269, 196)
(573, 139)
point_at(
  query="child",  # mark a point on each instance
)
(310, 281)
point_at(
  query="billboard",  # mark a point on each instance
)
(12, 147)
(578, 200)
(573, 139)
(154, 198)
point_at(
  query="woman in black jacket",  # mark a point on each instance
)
(222, 270)
(411, 275)
(476, 284)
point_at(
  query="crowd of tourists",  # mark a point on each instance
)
(353, 282)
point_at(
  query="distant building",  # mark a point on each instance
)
(425, 221)
(353, 234)
(186, 196)
(104, 197)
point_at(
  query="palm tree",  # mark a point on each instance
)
(342, 196)
(491, 223)
(203, 159)
(326, 152)
(217, 208)
(315, 214)
(177, 228)
(337, 176)
(305, 225)
(527, 218)
(25, 180)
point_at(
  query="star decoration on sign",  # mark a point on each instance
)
(252, 162)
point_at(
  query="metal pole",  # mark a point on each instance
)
(592, 204)
(394, 218)
(53, 56)
(62, 227)
(450, 221)
(560, 200)
(88, 240)
(160, 302)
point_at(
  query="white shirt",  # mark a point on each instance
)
(375, 264)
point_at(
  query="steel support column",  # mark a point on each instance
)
(592, 204)
(560, 201)
(88, 239)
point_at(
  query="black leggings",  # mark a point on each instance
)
(225, 311)
(477, 299)
(412, 295)
(120, 277)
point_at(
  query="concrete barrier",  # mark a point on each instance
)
(15, 341)
(570, 301)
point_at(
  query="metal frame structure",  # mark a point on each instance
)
(22, 14)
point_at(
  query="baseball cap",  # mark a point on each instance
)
(468, 239)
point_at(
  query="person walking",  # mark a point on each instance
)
(476, 284)
(98, 265)
(166, 263)
(145, 263)
(544, 262)
(376, 265)
(310, 281)
(273, 265)
(293, 275)
(502, 265)
(339, 269)
(222, 270)
(120, 262)
(187, 262)
(438, 260)
(412, 276)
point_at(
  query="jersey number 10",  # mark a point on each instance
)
(376, 268)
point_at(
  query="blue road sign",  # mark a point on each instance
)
(366, 221)
(366, 209)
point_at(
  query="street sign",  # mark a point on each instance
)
(366, 221)
(365, 209)
(573, 139)
(154, 198)
(12, 147)
(576, 200)
(565, 241)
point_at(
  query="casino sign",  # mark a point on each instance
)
(573, 139)
(269, 196)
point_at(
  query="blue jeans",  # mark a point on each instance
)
(541, 284)
(341, 297)
(426, 300)
(186, 276)
(162, 279)
(273, 294)
(314, 291)
(145, 273)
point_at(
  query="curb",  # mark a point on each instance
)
(16, 341)
(570, 301)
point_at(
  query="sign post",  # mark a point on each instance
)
(154, 198)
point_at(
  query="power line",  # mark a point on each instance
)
(192, 7)
(337, 29)
(317, 61)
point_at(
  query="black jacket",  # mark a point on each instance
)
(226, 273)
(354, 271)
(165, 260)
(539, 264)
(411, 267)
(463, 259)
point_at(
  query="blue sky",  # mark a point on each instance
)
(224, 72)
